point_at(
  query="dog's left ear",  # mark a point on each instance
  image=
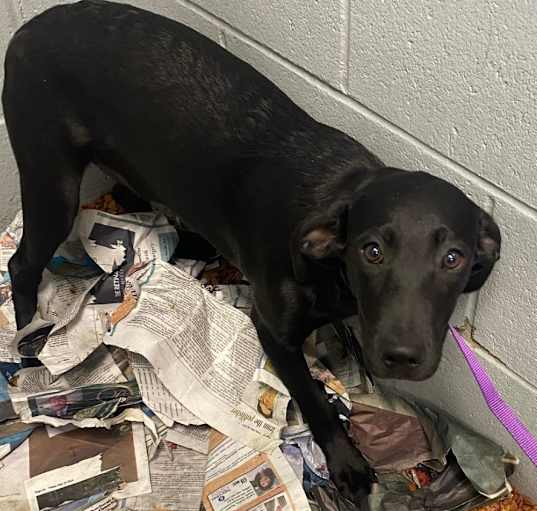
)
(321, 238)
(487, 252)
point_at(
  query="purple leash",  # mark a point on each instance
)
(502, 411)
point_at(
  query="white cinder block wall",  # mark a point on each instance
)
(445, 86)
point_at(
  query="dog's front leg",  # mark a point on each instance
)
(348, 470)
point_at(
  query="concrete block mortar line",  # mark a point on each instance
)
(222, 38)
(482, 351)
(493, 359)
(485, 353)
(470, 310)
(365, 111)
(345, 17)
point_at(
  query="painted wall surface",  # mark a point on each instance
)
(448, 87)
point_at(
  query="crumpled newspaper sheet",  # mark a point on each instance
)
(127, 301)
(93, 298)
(422, 458)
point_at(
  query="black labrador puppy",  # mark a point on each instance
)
(319, 226)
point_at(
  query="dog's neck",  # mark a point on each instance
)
(335, 165)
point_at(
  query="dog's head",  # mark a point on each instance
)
(410, 244)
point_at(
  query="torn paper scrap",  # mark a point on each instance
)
(56, 450)
(313, 461)
(68, 406)
(240, 478)
(237, 295)
(75, 329)
(8, 327)
(195, 438)
(69, 344)
(116, 240)
(177, 477)
(265, 373)
(157, 397)
(12, 434)
(100, 367)
(14, 470)
(203, 350)
(60, 298)
(134, 415)
(190, 266)
(73, 402)
(122, 446)
(73, 482)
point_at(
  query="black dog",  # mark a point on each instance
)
(320, 227)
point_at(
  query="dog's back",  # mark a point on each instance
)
(145, 74)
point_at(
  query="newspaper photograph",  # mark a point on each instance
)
(56, 466)
(99, 502)
(204, 351)
(39, 397)
(240, 478)
(265, 373)
(72, 483)
(97, 400)
(125, 240)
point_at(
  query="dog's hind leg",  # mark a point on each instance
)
(50, 174)
(51, 162)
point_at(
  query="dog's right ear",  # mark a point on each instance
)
(321, 238)
(486, 254)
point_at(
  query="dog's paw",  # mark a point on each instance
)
(349, 471)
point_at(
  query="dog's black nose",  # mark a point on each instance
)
(402, 357)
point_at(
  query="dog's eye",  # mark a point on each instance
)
(453, 259)
(373, 253)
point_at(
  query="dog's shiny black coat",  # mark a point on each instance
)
(320, 227)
